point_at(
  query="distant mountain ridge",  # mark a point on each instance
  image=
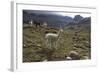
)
(55, 20)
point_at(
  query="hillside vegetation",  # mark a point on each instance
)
(73, 38)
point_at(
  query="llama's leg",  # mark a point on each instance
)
(56, 45)
(50, 43)
(47, 43)
(53, 44)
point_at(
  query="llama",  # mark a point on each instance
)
(44, 25)
(37, 24)
(52, 39)
(31, 23)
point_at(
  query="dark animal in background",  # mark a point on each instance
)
(37, 24)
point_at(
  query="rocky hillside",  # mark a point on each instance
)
(72, 39)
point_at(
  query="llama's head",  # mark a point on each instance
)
(61, 30)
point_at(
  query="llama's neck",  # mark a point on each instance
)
(59, 32)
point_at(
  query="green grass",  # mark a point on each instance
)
(35, 50)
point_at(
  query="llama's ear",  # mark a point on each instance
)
(61, 30)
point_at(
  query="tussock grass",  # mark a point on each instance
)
(35, 50)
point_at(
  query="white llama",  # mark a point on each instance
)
(52, 39)
(31, 23)
(44, 25)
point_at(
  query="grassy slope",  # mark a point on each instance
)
(35, 50)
